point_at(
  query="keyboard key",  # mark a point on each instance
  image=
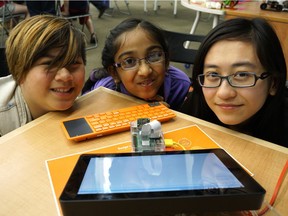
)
(101, 124)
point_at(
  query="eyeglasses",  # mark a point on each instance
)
(238, 80)
(132, 63)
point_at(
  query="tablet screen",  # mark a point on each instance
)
(156, 173)
(148, 182)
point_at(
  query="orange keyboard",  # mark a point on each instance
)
(100, 124)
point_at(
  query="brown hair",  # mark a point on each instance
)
(32, 38)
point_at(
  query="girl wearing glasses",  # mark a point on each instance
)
(136, 58)
(239, 80)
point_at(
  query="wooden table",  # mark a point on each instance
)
(279, 20)
(25, 187)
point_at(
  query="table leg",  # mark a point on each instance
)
(194, 26)
(145, 6)
(155, 6)
(215, 20)
(196, 21)
(175, 8)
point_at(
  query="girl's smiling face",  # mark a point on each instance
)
(52, 89)
(143, 81)
(233, 105)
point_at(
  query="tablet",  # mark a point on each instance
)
(153, 183)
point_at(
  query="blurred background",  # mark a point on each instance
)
(164, 17)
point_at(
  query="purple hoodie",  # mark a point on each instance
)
(176, 86)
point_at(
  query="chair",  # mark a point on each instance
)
(156, 6)
(200, 8)
(77, 15)
(121, 11)
(4, 71)
(178, 52)
(115, 8)
(7, 17)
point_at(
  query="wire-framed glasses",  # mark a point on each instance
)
(132, 63)
(238, 80)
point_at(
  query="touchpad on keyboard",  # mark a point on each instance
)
(77, 127)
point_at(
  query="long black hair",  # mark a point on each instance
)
(268, 122)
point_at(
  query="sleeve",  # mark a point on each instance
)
(98, 77)
(176, 87)
(106, 82)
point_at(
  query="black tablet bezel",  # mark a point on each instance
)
(247, 198)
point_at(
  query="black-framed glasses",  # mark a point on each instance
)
(238, 80)
(132, 63)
